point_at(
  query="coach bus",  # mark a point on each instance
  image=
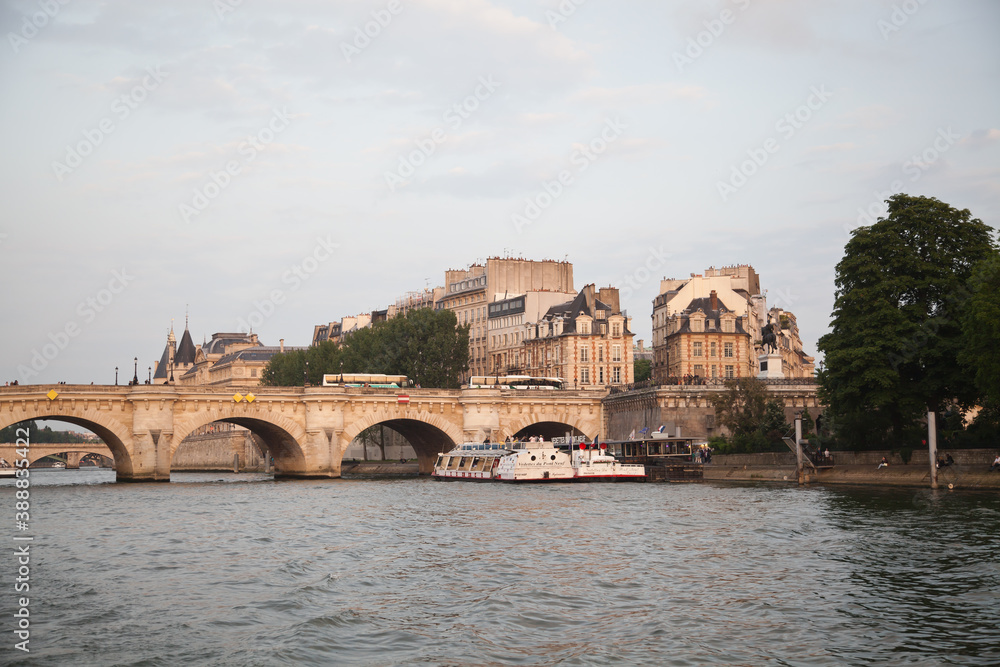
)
(515, 382)
(377, 380)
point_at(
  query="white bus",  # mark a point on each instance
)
(515, 382)
(377, 380)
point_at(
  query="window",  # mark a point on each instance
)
(585, 327)
(600, 353)
(600, 375)
(616, 329)
(616, 374)
(729, 372)
(253, 372)
(698, 324)
(712, 349)
(616, 353)
(696, 348)
(728, 326)
(727, 350)
(585, 376)
(699, 370)
(713, 371)
(584, 354)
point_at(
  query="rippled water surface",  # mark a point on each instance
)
(224, 569)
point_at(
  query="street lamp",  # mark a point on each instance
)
(149, 378)
(135, 373)
(116, 376)
(305, 375)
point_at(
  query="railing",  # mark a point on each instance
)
(708, 382)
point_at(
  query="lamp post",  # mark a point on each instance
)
(149, 377)
(135, 372)
(116, 376)
(305, 375)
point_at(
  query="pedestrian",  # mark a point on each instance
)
(996, 463)
(883, 464)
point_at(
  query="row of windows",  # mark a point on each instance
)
(697, 349)
(616, 354)
(728, 371)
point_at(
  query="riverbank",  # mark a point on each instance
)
(971, 469)
(389, 468)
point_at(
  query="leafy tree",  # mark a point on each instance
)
(755, 421)
(642, 369)
(38, 435)
(893, 348)
(981, 329)
(425, 345)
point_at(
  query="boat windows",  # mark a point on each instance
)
(438, 464)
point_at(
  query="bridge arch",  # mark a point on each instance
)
(546, 427)
(114, 434)
(429, 434)
(81, 448)
(284, 439)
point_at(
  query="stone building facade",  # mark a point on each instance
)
(469, 292)
(585, 341)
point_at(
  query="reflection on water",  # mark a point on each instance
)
(225, 569)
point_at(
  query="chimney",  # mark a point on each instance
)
(609, 295)
(715, 300)
(281, 344)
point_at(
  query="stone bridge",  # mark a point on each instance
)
(305, 430)
(74, 451)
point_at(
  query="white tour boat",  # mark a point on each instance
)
(542, 461)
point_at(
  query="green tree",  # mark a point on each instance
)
(427, 346)
(755, 421)
(642, 369)
(981, 329)
(893, 349)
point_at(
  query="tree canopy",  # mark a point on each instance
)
(754, 420)
(426, 345)
(642, 369)
(981, 329)
(896, 333)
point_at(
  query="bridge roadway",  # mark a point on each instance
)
(306, 430)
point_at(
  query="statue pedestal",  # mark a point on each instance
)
(770, 366)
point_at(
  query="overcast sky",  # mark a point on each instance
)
(284, 164)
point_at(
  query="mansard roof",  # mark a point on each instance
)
(704, 304)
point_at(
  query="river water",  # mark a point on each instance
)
(222, 569)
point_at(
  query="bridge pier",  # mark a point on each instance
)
(73, 460)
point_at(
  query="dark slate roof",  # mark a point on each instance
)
(570, 310)
(161, 368)
(220, 341)
(705, 305)
(258, 353)
(185, 351)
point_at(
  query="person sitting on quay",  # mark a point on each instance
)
(996, 463)
(883, 464)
